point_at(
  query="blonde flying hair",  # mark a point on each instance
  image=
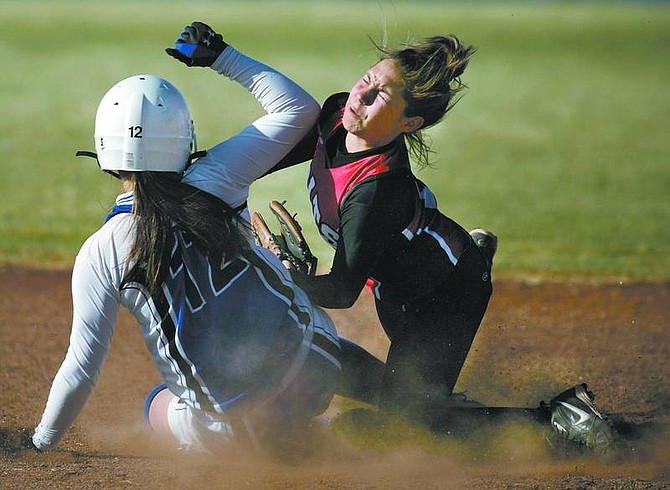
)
(431, 69)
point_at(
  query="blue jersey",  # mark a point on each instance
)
(227, 332)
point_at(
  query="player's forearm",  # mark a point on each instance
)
(66, 400)
(276, 92)
(329, 290)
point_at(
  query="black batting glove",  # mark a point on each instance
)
(198, 45)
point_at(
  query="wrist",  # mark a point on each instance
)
(224, 59)
(44, 439)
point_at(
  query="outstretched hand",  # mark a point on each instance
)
(197, 45)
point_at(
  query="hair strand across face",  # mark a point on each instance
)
(431, 70)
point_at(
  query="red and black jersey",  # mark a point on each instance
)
(382, 221)
(431, 281)
(335, 172)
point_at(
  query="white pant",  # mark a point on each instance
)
(194, 430)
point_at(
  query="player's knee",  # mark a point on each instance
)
(156, 409)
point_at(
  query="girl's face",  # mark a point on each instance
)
(374, 114)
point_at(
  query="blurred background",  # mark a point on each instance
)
(560, 144)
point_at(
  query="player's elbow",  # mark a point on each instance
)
(310, 112)
(350, 298)
(344, 298)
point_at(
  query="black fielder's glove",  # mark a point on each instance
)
(198, 45)
(290, 245)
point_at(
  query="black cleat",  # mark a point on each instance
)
(574, 417)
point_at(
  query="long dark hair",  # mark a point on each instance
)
(163, 205)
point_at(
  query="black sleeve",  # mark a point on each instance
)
(371, 217)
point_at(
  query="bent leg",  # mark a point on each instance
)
(156, 410)
(362, 373)
(425, 358)
(194, 430)
(431, 337)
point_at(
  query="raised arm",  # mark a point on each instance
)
(231, 166)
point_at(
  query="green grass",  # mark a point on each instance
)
(560, 145)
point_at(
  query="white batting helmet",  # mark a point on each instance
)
(143, 124)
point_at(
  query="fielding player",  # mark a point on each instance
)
(431, 280)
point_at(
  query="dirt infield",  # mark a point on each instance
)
(537, 339)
